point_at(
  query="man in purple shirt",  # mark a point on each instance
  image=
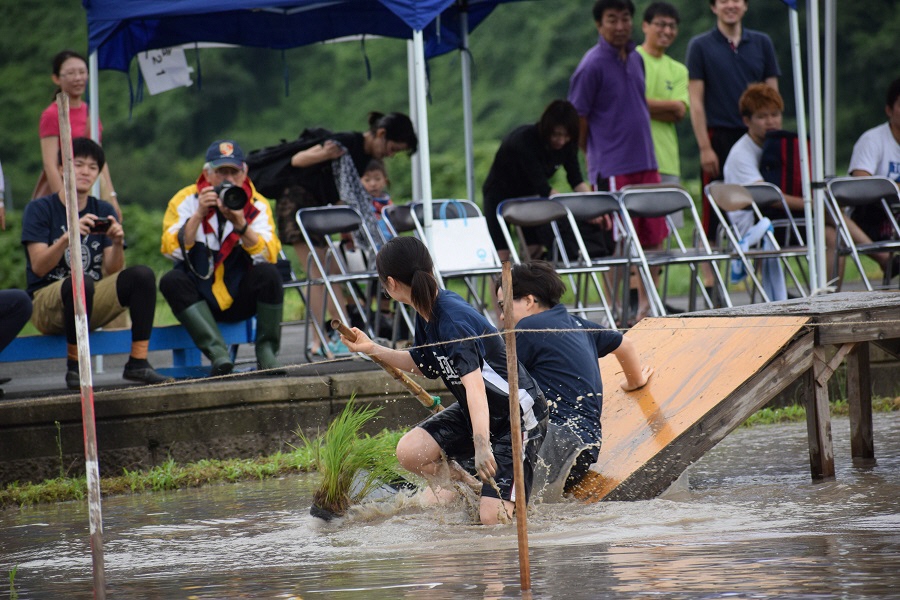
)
(607, 90)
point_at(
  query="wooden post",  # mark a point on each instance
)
(818, 419)
(84, 350)
(515, 426)
(859, 397)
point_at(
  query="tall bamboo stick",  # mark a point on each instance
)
(515, 426)
(84, 349)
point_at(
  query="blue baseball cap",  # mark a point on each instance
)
(225, 152)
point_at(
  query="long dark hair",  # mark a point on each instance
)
(58, 61)
(558, 113)
(397, 128)
(407, 260)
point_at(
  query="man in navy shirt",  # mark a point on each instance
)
(109, 288)
(721, 64)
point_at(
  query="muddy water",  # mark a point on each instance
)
(750, 524)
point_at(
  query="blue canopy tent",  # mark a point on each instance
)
(120, 29)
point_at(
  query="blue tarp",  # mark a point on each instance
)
(120, 29)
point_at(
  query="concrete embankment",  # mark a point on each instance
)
(244, 416)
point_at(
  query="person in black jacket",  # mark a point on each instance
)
(527, 159)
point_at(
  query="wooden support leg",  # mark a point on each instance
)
(859, 396)
(818, 420)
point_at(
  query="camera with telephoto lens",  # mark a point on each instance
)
(232, 196)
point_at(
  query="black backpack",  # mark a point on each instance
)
(270, 168)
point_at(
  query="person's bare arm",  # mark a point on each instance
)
(668, 111)
(112, 197)
(476, 397)
(709, 162)
(50, 160)
(636, 374)
(582, 133)
(114, 254)
(772, 82)
(328, 150)
(400, 359)
(44, 257)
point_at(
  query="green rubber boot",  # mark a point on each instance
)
(268, 335)
(198, 320)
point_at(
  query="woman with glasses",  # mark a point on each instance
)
(70, 75)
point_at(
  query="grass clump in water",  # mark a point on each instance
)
(352, 465)
(796, 412)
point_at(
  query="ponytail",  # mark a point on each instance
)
(407, 260)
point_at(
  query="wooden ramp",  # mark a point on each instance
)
(711, 374)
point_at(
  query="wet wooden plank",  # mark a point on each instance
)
(711, 374)
(859, 397)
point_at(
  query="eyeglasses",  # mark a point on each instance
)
(665, 25)
(71, 74)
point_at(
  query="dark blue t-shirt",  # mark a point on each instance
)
(453, 355)
(45, 221)
(565, 366)
(726, 72)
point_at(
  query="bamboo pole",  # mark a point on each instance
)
(515, 426)
(84, 350)
(433, 403)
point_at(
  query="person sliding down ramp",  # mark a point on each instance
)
(561, 351)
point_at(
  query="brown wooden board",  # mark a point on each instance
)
(710, 375)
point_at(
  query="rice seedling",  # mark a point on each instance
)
(352, 465)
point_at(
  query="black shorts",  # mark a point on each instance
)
(452, 431)
(294, 198)
(872, 219)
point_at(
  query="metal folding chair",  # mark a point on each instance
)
(725, 198)
(666, 202)
(872, 193)
(517, 213)
(585, 207)
(324, 222)
(474, 264)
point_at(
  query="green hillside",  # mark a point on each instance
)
(523, 56)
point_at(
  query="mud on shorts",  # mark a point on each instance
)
(294, 198)
(453, 433)
(47, 315)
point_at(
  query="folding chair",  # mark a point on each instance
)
(461, 248)
(666, 202)
(872, 193)
(725, 198)
(585, 207)
(517, 213)
(324, 222)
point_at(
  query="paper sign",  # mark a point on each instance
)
(165, 69)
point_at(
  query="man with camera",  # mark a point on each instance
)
(221, 235)
(109, 287)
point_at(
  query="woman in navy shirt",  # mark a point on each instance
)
(455, 342)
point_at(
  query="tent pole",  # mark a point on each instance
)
(800, 104)
(815, 117)
(830, 112)
(466, 64)
(413, 115)
(423, 155)
(94, 107)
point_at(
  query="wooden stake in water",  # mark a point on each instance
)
(512, 371)
(84, 350)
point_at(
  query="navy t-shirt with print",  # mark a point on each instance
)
(45, 221)
(565, 366)
(450, 346)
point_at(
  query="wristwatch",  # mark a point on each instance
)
(243, 229)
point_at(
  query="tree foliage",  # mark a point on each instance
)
(523, 56)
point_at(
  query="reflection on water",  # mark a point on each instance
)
(751, 525)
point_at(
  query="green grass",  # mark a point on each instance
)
(311, 454)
